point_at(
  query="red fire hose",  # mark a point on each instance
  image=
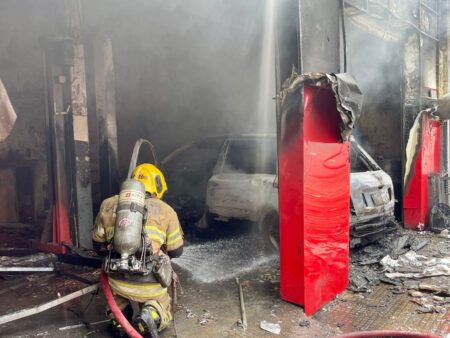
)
(386, 333)
(130, 331)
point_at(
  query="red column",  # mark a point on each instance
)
(314, 197)
(426, 161)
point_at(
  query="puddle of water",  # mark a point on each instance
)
(220, 260)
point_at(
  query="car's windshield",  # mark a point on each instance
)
(360, 160)
(251, 156)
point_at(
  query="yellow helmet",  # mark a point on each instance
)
(152, 178)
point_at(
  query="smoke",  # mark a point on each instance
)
(375, 59)
(184, 70)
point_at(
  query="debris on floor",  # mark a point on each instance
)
(379, 300)
(444, 233)
(190, 314)
(205, 318)
(304, 323)
(38, 259)
(270, 327)
(23, 313)
(76, 326)
(440, 218)
(412, 265)
(399, 247)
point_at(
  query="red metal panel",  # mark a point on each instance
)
(60, 229)
(61, 226)
(426, 163)
(314, 188)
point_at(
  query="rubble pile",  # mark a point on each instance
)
(366, 270)
(415, 263)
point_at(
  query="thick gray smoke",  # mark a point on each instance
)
(376, 64)
(184, 69)
(385, 58)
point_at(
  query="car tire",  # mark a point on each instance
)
(206, 225)
(268, 233)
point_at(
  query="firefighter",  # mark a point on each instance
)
(164, 231)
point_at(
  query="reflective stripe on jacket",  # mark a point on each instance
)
(138, 292)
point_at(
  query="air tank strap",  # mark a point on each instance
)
(133, 207)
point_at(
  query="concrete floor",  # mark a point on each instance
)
(216, 301)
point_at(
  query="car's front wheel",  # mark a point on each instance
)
(206, 225)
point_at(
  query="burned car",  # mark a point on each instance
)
(225, 178)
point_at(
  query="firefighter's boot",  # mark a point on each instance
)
(115, 328)
(147, 322)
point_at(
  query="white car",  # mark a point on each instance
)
(227, 178)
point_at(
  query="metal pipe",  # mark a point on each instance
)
(43, 307)
(344, 36)
(25, 269)
(241, 302)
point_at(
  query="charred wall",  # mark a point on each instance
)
(23, 27)
(377, 65)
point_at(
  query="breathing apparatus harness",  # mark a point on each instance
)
(130, 253)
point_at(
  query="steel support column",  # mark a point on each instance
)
(319, 36)
(106, 115)
(82, 178)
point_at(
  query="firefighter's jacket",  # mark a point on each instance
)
(163, 229)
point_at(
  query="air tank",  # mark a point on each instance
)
(129, 216)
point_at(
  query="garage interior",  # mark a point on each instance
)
(81, 81)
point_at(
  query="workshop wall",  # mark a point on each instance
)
(377, 66)
(23, 25)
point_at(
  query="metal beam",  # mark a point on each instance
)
(319, 36)
(106, 115)
(80, 127)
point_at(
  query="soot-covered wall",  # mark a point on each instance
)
(23, 26)
(377, 64)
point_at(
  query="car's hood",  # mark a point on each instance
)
(369, 179)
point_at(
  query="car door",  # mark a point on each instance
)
(244, 174)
